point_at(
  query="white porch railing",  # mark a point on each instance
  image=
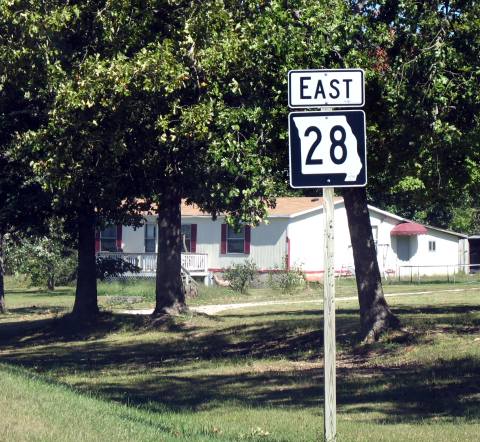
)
(194, 263)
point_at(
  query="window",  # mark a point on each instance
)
(186, 238)
(235, 240)
(403, 248)
(432, 246)
(108, 239)
(150, 237)
(375, 235)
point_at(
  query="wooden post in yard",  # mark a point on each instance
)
(307, 172)
(330, 395)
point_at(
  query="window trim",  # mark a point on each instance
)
(375, 230)
(113, 238)
(154, 237)
(247, 239)
(238, 239)
(189, 238)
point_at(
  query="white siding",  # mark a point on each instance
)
(343, 243)
(305, 233)
(393, 256)
(435, 262)
(386, 256)
(267, 244)
(133, 239)
(268, 247)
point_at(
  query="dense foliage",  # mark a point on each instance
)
(114, 267)
(104, 102)
(423, 109)
(46, 260)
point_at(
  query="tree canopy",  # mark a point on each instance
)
(423, 109)
(105, 102)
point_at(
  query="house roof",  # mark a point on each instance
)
(291, 207)
(286, 207)
(405, 220)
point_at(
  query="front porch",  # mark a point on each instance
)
(195, 264)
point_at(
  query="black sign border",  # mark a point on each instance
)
(298, 180)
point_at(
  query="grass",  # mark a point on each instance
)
(246, 374)
(111, 293)
(47, 411)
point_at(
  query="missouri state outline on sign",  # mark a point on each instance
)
(327, 149)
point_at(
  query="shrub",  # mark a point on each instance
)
(240, 276)
(108, 267)
(288, 280)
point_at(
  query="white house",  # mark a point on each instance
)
(292, 237)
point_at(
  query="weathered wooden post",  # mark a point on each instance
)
(329, 362)
(327, 149)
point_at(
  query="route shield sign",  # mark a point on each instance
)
(327, 149)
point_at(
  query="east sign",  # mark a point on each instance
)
(326, 88)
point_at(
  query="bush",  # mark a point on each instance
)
(288, 280)
(240, 276)
(108, 267)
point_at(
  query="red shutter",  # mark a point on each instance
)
(223, 242)
(193, 238)
(246, 247)
(119, 238)
(97, 241)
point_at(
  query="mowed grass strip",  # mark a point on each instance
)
(36, 410)
(30, 300)
(256, 373)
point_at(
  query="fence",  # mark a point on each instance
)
(450, 273)
(195, 263)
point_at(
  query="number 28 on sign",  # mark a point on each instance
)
(327, 149)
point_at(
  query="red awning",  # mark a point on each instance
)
(408, 229)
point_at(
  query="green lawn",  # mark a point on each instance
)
(250, 374)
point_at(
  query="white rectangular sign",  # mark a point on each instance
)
(326, 88)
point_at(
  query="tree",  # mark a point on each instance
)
(375, 315)
(256, 45)
(424, 133)
(24, 206)
(77, 149)
(48, 260)
(125, 111)
(3, 307)
(184, 139)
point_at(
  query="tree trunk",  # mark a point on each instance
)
(169, 291)
(86, 306)
(51, 283)
(375, 315)
(3, 308)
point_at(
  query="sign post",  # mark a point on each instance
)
(327, 149)
(329, 365)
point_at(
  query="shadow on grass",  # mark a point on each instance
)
(38, 310)
(34, 292)
(61, 329)
(165, 372)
